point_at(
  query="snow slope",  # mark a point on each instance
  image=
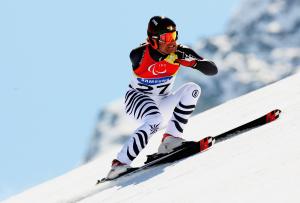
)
(262, 165)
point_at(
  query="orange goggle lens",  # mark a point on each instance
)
(168, 37)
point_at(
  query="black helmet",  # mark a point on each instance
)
(159, 25)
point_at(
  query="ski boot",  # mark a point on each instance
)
(117, 168)
(169, 143)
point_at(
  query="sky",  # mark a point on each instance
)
(61, 62)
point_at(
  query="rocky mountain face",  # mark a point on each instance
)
(260, 45)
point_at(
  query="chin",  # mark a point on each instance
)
(172, 51)
(168, 49)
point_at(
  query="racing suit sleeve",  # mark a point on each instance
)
(188, 57)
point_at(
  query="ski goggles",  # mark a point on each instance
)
(168, 37)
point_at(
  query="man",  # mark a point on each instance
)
(150, 99)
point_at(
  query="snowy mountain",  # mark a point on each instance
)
(267, 25)
(261, 165)
(113, 129)
(260, 46)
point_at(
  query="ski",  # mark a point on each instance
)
(267, 118)
(190, 148)
(156, 159)
(185, 150)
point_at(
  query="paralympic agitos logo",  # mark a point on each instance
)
(158, 68)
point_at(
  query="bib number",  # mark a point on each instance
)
(149, 89)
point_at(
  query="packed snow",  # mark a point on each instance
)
(261, 165)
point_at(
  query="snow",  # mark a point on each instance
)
(261, 165)
(276, 7)
(270, 23)
(248, 11)
(274, 27)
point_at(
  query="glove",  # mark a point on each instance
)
(185, 60)
(188, 63)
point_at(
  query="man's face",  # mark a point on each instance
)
(167, 48)
(167, 43)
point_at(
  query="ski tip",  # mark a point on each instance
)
(277, 112)
(101, 181)
(273, 115)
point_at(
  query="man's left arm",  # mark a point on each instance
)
(188, 57)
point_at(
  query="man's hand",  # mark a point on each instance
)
(185, 59)
(187, 63)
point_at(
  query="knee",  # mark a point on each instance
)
(155, 123)
(156, 119)
(193, 89)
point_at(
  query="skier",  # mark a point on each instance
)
(149, 98)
